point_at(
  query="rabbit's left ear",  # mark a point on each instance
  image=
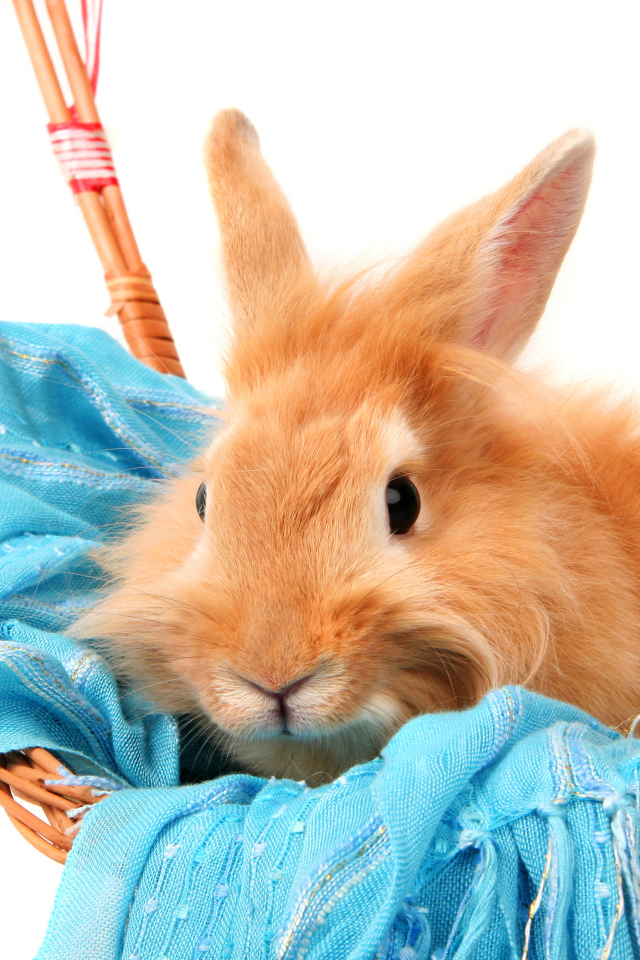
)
(263, 252)
(492, 265)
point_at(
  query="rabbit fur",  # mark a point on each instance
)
(292, 622)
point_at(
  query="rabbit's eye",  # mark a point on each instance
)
(403, 504)
(201, 500)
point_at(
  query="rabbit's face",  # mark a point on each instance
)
(292, 593)
(304, 613)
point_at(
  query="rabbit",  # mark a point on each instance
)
(393, 518)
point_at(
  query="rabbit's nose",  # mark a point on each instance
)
(282, 693)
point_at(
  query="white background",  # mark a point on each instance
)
(378, 119)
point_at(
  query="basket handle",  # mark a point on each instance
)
(133, 295)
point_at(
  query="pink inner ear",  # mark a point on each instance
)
(520, 258)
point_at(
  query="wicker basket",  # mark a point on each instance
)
(30, 775)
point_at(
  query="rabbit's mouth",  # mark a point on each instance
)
(323, 754)
(273, 703)
(317, 725)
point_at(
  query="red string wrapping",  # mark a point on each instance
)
(82, 149)
(84, 154)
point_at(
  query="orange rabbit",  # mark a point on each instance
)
(392, 520)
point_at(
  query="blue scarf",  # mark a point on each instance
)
(502, 831)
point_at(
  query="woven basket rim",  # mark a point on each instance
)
(30, 776)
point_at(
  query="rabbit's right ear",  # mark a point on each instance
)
(263, 252)
(487, 271)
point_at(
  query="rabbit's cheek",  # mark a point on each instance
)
(314, 711)
(381, 714)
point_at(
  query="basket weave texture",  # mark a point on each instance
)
(30, 776)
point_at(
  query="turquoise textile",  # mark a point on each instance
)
(443, 848)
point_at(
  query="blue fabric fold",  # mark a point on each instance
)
(509, 826)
